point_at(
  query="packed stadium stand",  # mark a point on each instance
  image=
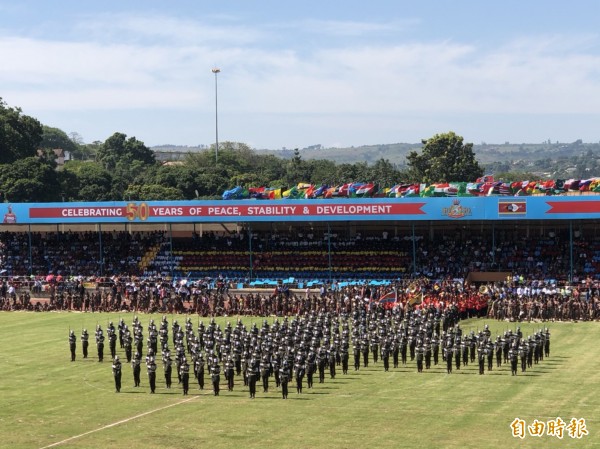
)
(298, 255)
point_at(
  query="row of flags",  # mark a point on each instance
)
(484, 186)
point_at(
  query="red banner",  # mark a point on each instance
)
(573, 207)
(144, 211)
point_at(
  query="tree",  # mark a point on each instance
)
(323, 171)
(385, 173)
(118, 148)
(298, 170)
(179, 177)
(85, 181)
(53, 138)
(444, 158)
(29, 180)
(152, 192)
(357, 172)
(20, 135)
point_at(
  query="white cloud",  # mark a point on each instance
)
(164, 29)
(164, 62)
(353, 28)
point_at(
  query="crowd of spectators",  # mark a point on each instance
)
(303, 256)
(197, 273)
(515, 299)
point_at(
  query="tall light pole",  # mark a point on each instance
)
(216, 71)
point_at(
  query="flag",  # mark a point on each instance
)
(415, 300)
(388, 298)
(365, 190)
(257, 192)
(293, 194)
(237, 193)
(320, 191)
(274, 194)
(308, 193)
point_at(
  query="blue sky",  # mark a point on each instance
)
(293, 74)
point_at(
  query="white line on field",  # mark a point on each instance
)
(108, 426)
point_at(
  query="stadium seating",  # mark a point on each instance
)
(300, 261)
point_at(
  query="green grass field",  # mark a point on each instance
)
(45, 399)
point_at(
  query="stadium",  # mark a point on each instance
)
(442, 251)
(307, 240)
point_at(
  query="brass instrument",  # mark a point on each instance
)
(484, 290)
(412, 288)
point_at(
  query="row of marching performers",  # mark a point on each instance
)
(316, 343)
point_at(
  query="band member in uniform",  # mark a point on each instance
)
(547, 343)
(321, 363)
(490, 355)
(481, 357)
(311, 365)
(127, 343)
(185, 375)
(72, 344)
(344, 357)
(427, 347)
(135, 365)
(523, 349)
(112, 339)
(284, 378)
(100, 343)
(215, 375)
(332, 355)
(499, 345)
(151, 366)
(85, 341)
(230, 372)
(199, 368)
(300, 370)
(513, 356)
(116, 369)
(457, 354)
(168, 367)
(403, 349)
(448, 351)
(253, 369)
(121, 328)
(435, 343)
(356, 353)
(364, 346)
(264, 372)
(420, 354)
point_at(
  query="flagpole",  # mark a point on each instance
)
(329, 248)
(414, 248)
(571, 251)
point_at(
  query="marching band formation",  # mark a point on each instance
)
(311, 345)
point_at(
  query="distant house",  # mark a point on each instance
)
(164, 156)
(61, 156)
